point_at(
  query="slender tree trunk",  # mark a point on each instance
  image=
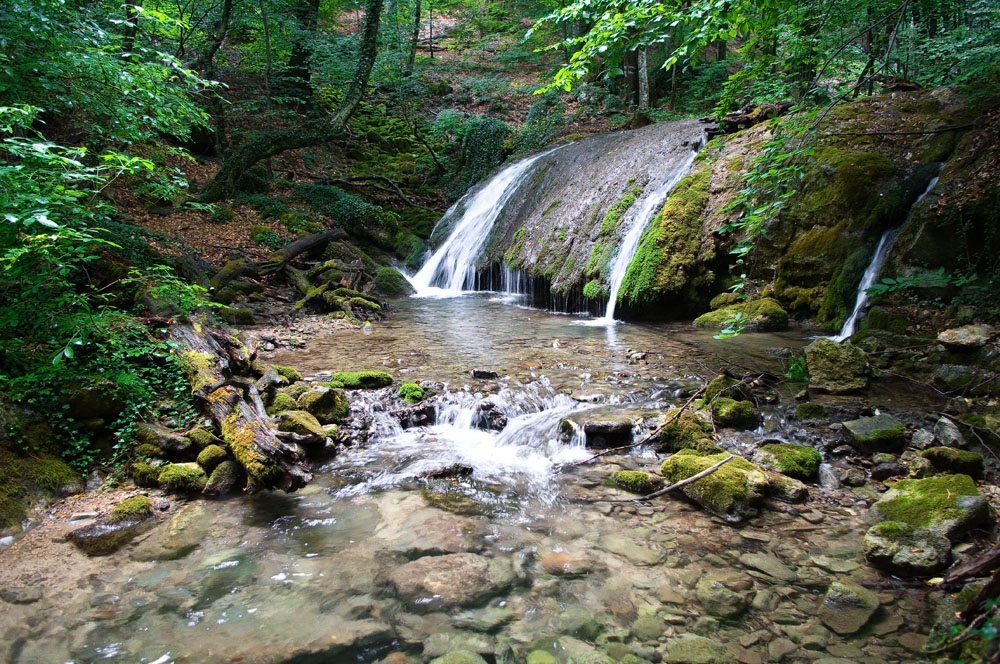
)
(308, 133)
(643, 81)
(416, 37)
(132, 19)
(297, 75)
(267, 55)
(430, 27)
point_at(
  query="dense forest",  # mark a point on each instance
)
(173, 171)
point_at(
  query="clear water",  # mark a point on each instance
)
(313, 576)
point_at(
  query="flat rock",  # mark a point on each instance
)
(835, 565)
(484, 620)
(967, 337)
(847, 607)
(565, 563)
(906, 550)
(881, 433)
(188, 527)
(635, 553)
(694, 649)
(410, 529)
(458, 579)
(949, 505)
(20, 594)
(769, 565)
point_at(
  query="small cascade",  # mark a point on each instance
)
(636, 220)
(882, 250)
(452, 267)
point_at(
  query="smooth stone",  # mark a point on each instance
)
(565, 563)
(694, 649)
(442, 643)
(669, 595)
(457, 579)
(966, 337)
(912, 641)
(847, 607)
(187, 529)
(723, 594)
(484, 620)
(430, 531)
(83, 516)
(648, 628)
(20, 594)
(636, 554)
(835, 565)
(780, 648)
(769, 565)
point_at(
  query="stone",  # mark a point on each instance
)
(458, 579)
(959, 378)
(163, 438)
(785, 488)
(835, 565)
(20, 594)
(327, 405)
(442, 643)
(853, 477)
(648, 627)
(967, 337)
(922, 439)
(913, 642)
(949, 505)
(886, 469)
(881, 433)
(694, 649)
(953, 460)
(905, 550)
(182, 478)
(430, 531)
(735, 414)
(105, 537)
(769, 565)
(837, 368)
(210, 457)
(301, 422)
(484, 620)
(223, 479)
(798, 461)
(484, 374)
(636, 481)
(811, 412)
(723, 594)
(187, 529)
(565, 563)
(947, 433)
(608, 433)
(847, 607)
(733, 492)
(763, 315)
(459, 657)
(779, 649)
(635, 553)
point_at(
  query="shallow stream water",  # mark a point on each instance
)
(520, 551)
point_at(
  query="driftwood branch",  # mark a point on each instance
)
(677, 485)
(989, 560)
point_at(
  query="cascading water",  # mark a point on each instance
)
(452, 267)
(882, 250)
(636, 220)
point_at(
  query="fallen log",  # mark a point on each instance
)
(214, 363)
(279, 259)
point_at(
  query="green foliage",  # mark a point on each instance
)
(265, 237)
(936, 279)
(345, 210)
(797, 369)
(593, 290)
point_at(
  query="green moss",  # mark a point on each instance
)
(362, 380)
(634, 481)
(810, 412)
(135, 508)
(593, 290)
(182, 478)
(665, 262)
(728, 387)
(762, 315)
(927, 501)
(145, 475)
(149, 450)
(240, 437)
(512, 255)
(613, 217)
(202, 438)
(600, 256)
(880, 319)
(327, 406)
(796, 461)
(391, 282)
(297, 390)
(952, 460)
(411, 392)
(725, 299)
(731, 413)
(48, 473)
(210, 457)
(727, 490)
(288, 373)
(688, 431)
(199, 369)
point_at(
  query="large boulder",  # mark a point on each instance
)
(847, 607)
(733, 492)
(796, 461)
(687, 431)
(736, 414)
(458, 579)
(837, 368)
(952, 460)
(903, 549)
(328, 405)
(881, 433)
(761, 315)
(163, 438)
(949, 505)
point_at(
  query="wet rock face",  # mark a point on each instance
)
(881, 433)
(903, 549)
(837, 368)
(459, 579)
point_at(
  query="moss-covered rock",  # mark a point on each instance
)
(182, 478)
(737, 414)
(146, 475)
(728, 387)
(300, 422)
(723, 594)
(163, 438)
(210, 457)
(811, 412)
(237, 315)
(949, 505)
(733, 492)
(459, 657)
(903, 549)
(135, 508)
(784, 488)
(202, 438)
(223, 479)
(325, 404)
(687, 431)
(838, 368)
(878, 318)
(635, 481)
(363, 380)
(693, 649)
(952, 460)
(391, 283)
(281, 402)
(761, 315)
(29, 480)
(410, 392)
(881, 433)
(146, 450)
(796, 461)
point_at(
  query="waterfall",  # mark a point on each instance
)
(882, 250)
(636, 220)
(453, 266)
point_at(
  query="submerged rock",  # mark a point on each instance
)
(458, 579)
(847, 607)
(950, 505)
(608, 433)
(694, 649)
(724, 594)
(837, 368)
(903, 549)
(733, 492)
(881, 433)
(636, 481)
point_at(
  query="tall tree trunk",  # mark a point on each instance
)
(416, 37)
(295, 79)
(308, 133)
(206, 63)
(132, 19)
(643, 81)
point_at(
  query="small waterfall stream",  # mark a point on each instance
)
(882, 250)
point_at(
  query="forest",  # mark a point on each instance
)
(214, 214)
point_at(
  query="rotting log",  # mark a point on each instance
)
(281, 257)
(218, 368)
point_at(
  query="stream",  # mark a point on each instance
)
(462, 534)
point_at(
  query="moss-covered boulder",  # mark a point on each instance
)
(391, 283)
(362, 380)
(811, 412)
(733, 492)
(223, 479)
(32, 480)
(163, 438)
(881, 433)
(837, 368)
(288, 373)
(210, 457)
(202, 438)
(906, 550)
(328, 405)
(135, 508)
(728, 387)
(761, 315)
(302, 423)
(182, 478)
(847, 607)
(123, 522)
(281, 402)
(952, 460)
(636, 481)
(949, 505)
(736, 414)
(796, 461)
(687, 431)
(146, 475)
